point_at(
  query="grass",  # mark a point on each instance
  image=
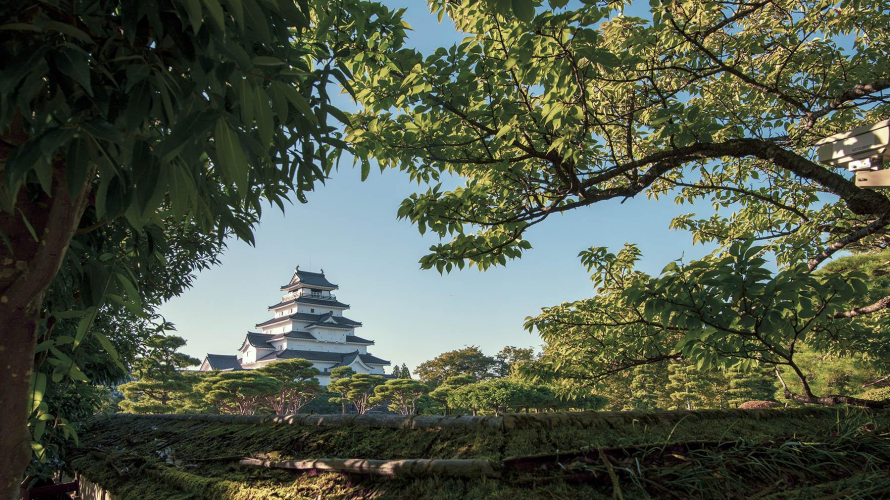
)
(801, 453)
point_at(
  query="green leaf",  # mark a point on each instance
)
(101, 129)
(28, 225)
(75, 64)
(132, 293)
(109, 348)
(216, 12)
(264, 119)
(298, 100)
(195, 13)
(237, 10)
(77, 375)
(69, 30)
(20, 27)
(267, 61)
(37, 391)
(524, 9)
(230, 156)
(83, 326)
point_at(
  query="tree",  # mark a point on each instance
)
(501, 394)
(401, 393)
(442, 393)
(758, 384)
(405, 372)
(138, 112)
(684, 386)
(238, 392)
(160, 377)
(357, 389)
(511, 357)
(647, 387)
(397, 372)
(716, 102)
(165, 262)
(342, 388)
(298, 384)
(469, 360)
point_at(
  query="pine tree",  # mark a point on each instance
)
(647, 384)
(162, 383)
(405, 373)
(684, 386)
(397, 372)
(757, 384)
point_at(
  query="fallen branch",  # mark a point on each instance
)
(387, 468)
(383, 421)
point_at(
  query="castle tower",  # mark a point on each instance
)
(307, 323)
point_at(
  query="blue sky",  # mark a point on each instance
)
(349, 228)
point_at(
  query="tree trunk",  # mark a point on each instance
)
(17, 345)
(25, 275)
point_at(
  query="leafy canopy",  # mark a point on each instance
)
(160, 377)
(121, 119)
(716, 103)
(467, 361)
(298, 384)
(401, 394)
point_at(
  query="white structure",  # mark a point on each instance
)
(308, 323)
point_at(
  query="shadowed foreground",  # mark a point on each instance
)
(796, 453)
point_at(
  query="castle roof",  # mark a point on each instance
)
(342, 359)
(327, 320)
(313, 302)
(295, 335)
(262, 340)
(303, 279)
(353, 339)
(223, 362)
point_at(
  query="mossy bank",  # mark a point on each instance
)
(777, 453)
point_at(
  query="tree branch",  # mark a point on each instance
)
(853, 237)
(880, 305)
(851, 94)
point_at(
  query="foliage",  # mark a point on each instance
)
(401, 394)
(341, 372)
(298, 384)
(757, 385)
(71, 404)
(404, 372)
(684, 387)
(322, 404)
(444, 391)
(357, 389)
(156, 395)
(725, 310)
(469, 360)
(504, 394)
(510, 358)
(165, 263)
(118, 118)
(160, 377)
(397, 371)
(713, 102)
(240, 392)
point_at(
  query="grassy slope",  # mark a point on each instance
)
(810, 453)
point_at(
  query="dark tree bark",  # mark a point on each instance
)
(26, 272)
